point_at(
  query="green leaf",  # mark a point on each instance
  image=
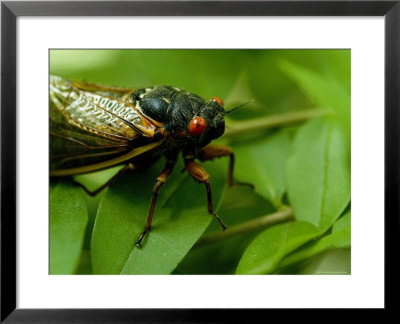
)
(92, 204)
(340, 238)
(180, 218)
(343, 223)
(323, 92)
(239, 204)
(276, 91)
(318, 173)
(270, 246)
(262, 164)
(85, 264)
(94, 180)
(329, 262)
(68, 220)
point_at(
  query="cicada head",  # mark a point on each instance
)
(198, 120)
(212, 116)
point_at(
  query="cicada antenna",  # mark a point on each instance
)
(230, 110)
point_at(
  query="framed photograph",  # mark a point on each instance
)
(179, 155)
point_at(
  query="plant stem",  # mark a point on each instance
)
(284, 215)
(238, 128)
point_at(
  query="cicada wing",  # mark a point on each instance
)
(114, 92)
(95, 112)
(70, 147)
(90, 128)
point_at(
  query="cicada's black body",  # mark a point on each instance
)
(88, 120)
(94, 127)
(176, 108)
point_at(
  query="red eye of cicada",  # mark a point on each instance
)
(197, 126)
(219, 100)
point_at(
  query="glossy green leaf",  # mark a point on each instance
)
(318, 173)
(92, 204)
(340, 238)
(85, 264)
(323, 92)
(276, 90)
(271, 245)
(262, 164)
(329, 262)
(94, 180)
(68, 220)
(180, 218)
(239, 204)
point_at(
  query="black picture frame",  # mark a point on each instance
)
(10, 10)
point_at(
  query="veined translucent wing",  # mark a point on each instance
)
(93, 127)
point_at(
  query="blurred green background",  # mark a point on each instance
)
(237, 76)
(287, 163)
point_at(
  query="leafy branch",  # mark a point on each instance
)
(283, 215)
(276, 120)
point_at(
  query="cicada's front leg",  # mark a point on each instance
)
(214, 151)
(161, 179)
(199, 174)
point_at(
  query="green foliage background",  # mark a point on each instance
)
(304, 165)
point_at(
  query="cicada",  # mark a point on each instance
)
(94, 127)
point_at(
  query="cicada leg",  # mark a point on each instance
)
(161, 179)
(199, 174)
(129, 166)
(214, 151)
